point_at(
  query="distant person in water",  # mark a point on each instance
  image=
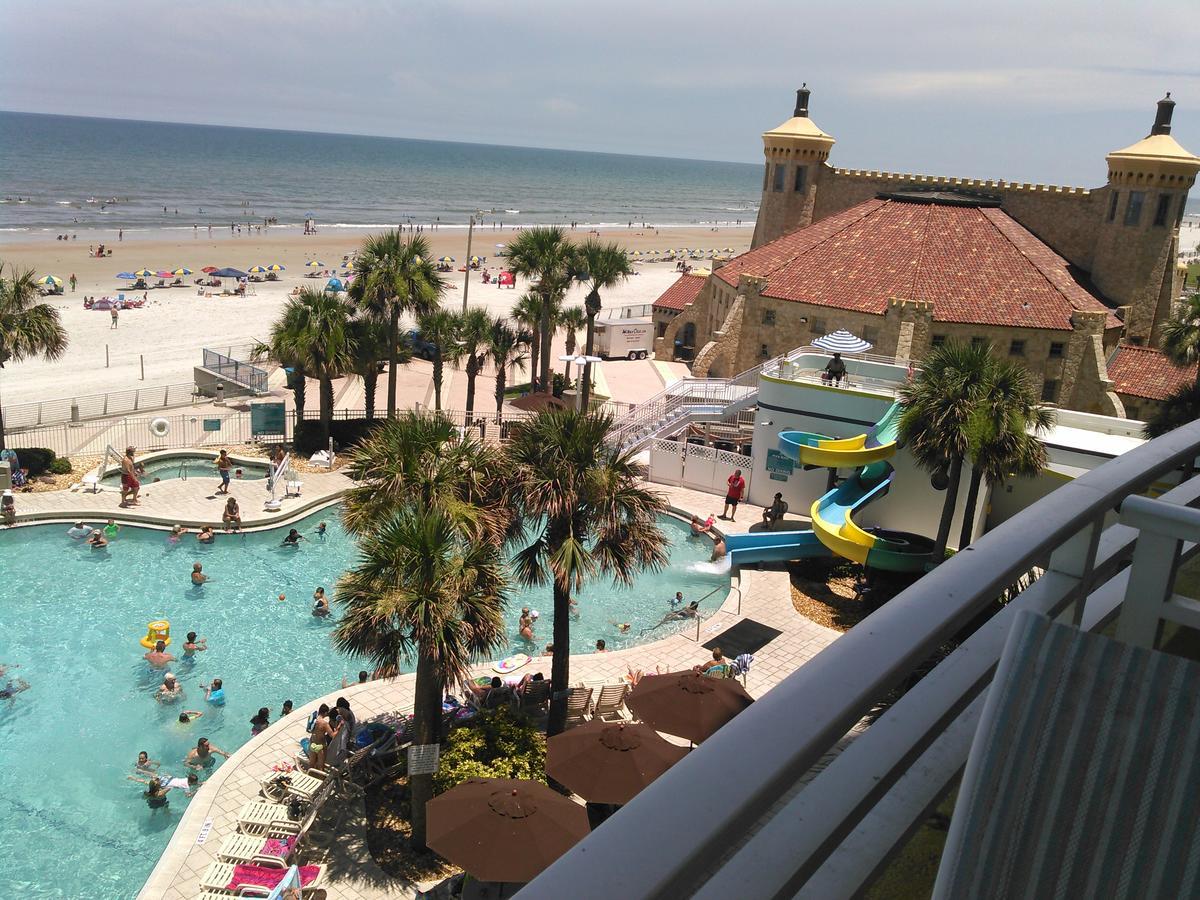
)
(158, 656)
(193, 644)
(12, 688)
(203, 755)
(206, 535)
(293, 538)
(198, 576)
(320, 603)
(691, 611)
(321, 530)
(525, 624)
(145, 764)
(96, 540)
(170, 690)
(188, 716)
(261, 720)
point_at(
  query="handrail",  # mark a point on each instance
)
(109, 450)
(668, 836)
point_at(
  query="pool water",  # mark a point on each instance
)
(187, 467)
(72, 825)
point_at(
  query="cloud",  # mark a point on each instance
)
(559, 106)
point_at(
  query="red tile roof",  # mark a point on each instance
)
(1144, 372)
(977, 265)
(681, 293)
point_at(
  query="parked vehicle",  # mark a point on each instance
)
(421, 348)
(624, 338)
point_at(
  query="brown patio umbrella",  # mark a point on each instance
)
(687, 704)
(502, 829)
(607, 762)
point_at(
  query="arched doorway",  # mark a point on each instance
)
(685, 343)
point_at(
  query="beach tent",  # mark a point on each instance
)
(842, 341)
(334, 284)
(127, 276)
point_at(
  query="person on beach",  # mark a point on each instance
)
(194, 645)
(72, 280)
(733, 495)
(224, 469)
(198, 576)
(170, 690)
(158, 657)
(320, 603)
(115, 314)
(203, 755)
(232, 516)
(129, 480)
(206, 535)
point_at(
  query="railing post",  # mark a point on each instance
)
(1076, 558)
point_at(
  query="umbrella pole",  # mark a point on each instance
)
(467, 276)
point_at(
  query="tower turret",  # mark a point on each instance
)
(795, 152)
(1138, 238)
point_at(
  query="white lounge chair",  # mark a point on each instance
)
(609, 702)
(579, 706)
(220, 875)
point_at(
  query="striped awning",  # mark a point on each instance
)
(842, 341)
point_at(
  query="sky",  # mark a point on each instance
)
(1025, 91)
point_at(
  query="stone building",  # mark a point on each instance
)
(1054, 275)
(674, 300)
(1143, 378)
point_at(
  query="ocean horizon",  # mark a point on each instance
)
(74, 174)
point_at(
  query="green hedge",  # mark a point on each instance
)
(495, 744)
(37, 460)
(309, 437)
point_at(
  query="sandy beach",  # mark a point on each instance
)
(177, 323)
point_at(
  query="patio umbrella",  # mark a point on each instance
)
(164, 273)
(688, 704)
(128, 276)
(842, 341)
(144, 273)
(51, 281)
(207, 270)
(275, 267)
(502, 829)
(228, 273)
(609, 762)
(445, 260)
(182, 270)
(475, 260)
(258, 270)
(315, 264)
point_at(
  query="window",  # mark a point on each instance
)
(780, 174)
(662, 329)
(768, 317)
(1163, 210)
(1133, 212)
(977, 342)
(764, 351)
(1056, 350)
(1016, 348)
(1049, 391)
(1112, 204)
(801, 177)
(870, 334)
(938, 340)
(817, 326)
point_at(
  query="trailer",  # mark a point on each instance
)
(624, 338)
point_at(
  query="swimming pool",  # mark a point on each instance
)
(186, 465)
(72, 618)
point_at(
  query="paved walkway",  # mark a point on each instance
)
(764, 596)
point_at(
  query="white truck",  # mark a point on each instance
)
(624, 338)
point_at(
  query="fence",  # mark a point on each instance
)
(696, 466)
(91, 406)
(243, 373)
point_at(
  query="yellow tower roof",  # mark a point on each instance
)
(799, 126)
(1157, 154)
(799, 130)
(1156, 148)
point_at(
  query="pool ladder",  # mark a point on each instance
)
(182, 473)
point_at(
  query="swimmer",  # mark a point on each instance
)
(198, 576)
(170, 690)
(111, 529)
(691, 611)
(10, 690)
(204, 754)
(677, 600)
(622, 627)
(176, 533)
(261, 720)
(97, 540)
(158, 656)
(206, 535)
(286, 709)
(214, 693)
(145, 764)
(166, 782)
(293, 538)
(321, 530)
(156, 795)
(702, 527)
(320, 603)
(718, 550)
(363, 678)
(601, 646)
(193, 645)
(188, 715)
(525, 624)
(78, 531)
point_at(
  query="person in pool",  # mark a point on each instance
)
(11, 689)
(145, 765)
(206, 535)
(159, 656)
(203, 755)
(691, 611)
(156, 795)
(170, 691)
(293, 538)
(78, 531)
(112, 529)
(198, 576)
(193, 645)
(188, 785)
(525, 624)
(188, 716)
(321, 530)
(260, 721)
(214, 693)
(96, 540)
(177, 532)
(320, 603)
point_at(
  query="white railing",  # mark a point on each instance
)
(685, 835)
(91, 406)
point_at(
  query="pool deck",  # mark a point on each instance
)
(764, 596)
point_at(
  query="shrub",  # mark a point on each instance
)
(308, 437)
(496, 744)
(60, 466)
(36, 459)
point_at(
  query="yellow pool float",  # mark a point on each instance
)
(155, 632)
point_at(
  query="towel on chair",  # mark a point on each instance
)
(741, 665)
(265, 876)
(278, 847)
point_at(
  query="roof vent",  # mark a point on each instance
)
(1162, 121)
(802, 103)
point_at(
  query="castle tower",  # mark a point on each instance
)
(1137, 241)
(795, 152)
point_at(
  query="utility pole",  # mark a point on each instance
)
(467, 277)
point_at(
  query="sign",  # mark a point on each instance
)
(212, 424)
(778, 464)
(267, 418)
(775, 476)
(423, 759)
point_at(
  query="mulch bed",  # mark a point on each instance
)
(388, 833)
(824, 593)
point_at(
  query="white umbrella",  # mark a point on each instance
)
(842, 341)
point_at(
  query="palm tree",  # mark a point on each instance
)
(935, 425)
(1005, 435)
(440, 328)
(370, 339)
(395, 275)
(421, 587)
(589, 514)
(1181, 407)
(474, 334)
(507, 351)
(603, 266)
(527, 312)
(571, 319)
(1180, 341)
(544, 254)
(28, 327)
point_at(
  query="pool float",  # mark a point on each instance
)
(155, 632)
(511, 663)
(160, 427)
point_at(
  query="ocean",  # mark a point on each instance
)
(69, 174)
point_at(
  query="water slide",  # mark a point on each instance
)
(834, 530)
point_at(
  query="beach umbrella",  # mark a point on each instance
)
(703, 272)
(503, 829)
(445, 260)
(315, 264)
(348, 266)
(182, 270)
(165, 273)
(228, 273)
(333, 284)
(687, 704)
(144, 273)
(636, 253)
(258, 270)
(842, 341)
(275, 267)
(609, 762)
(207, 270)
(475, 260)
(50, 281)
(128, 276)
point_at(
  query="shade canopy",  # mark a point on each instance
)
(128, 276)
(687, 704)
(315, 264)
(275, 267)
(258, 270)
(334, 284)
(501, 829)
(208, 270)
(607, 762)
(144, 273)
(50, 281)
(229, 273)
(842, 341)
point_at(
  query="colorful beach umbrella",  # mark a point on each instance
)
(128, 276)
(258, 270)
(842, 341)
(315, 264)
(207, 270)
(275, 267)
(164, 273)
(50, 281)
(475, 260)
(144, 273)
(182, 270)
(446, 260)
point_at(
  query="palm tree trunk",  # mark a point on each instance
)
(370, 383)
(472, 371)
(535, 356)
(393, 360)
(427, 724)
(966, 535)
(560, 665)
(501, 377)
(943, 535)
(588, 346)
(547, 340)
(437, 379)
(2, 447)
(326, 407)
(297, 382)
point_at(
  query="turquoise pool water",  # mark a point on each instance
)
(169, 467)
(71, 824)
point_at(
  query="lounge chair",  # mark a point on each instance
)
(279, 786)
(579, 706)
(259, 818)
(535, 697)
(244, 879)
(724, 670)
(272, 849)
(609, 702)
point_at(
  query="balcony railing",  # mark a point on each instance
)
(732, 820)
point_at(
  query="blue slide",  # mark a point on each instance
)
(773, 546)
